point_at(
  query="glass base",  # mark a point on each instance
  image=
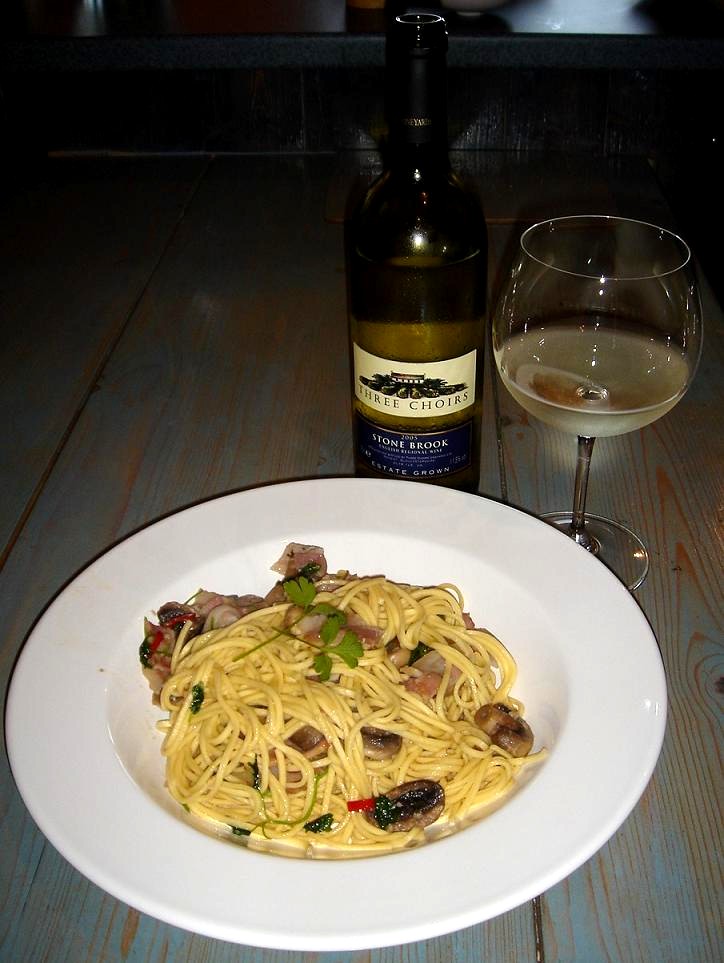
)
(615, 545)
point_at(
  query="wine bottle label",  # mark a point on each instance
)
(422, 456)
(414, 389)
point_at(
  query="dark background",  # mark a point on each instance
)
(579, 77)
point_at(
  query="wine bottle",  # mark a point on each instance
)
(417, 263)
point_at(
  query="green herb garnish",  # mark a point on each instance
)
(386, 812)
(334, 623)
(300, 591)
(197, 697)
(349, 650)
(292, 822)
(418, 652)
(309, 570)
(240, 831)
(144, 653)
(322, 824)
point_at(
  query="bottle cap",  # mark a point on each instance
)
(419, 32)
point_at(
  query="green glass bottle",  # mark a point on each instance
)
(417, 265)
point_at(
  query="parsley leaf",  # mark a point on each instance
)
(323, 666)
(300, 591)
(331, 627)
(349, 649)
(324, 608)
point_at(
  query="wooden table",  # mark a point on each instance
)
(144, 303)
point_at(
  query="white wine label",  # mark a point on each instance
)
(422, 456)
(414, 389)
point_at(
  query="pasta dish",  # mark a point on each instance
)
(337, 716)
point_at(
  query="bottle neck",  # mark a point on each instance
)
(417, 107)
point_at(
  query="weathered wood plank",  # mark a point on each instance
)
(76, 250)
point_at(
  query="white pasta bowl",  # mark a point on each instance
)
(590, 676)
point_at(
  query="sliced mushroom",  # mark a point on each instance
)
(293, 776)
(506, 729)
(172, 610)
(379, 743)
(416, 804)
(309, 741)
(221, 616)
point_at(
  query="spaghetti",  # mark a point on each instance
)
(350, 717)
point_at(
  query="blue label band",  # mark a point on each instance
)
(412, 454)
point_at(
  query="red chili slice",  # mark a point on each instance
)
(156, 640)
(178, 619)
(361, 805)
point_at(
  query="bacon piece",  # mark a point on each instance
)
(297, 557)
(425, 684)
(205, 602)
(276, 595)
(305, 627)
(427, 673)
(369, 635)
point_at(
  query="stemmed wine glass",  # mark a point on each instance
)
(597, 332)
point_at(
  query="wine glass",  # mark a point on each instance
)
(597, 332)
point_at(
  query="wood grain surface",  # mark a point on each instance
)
(178, 330)
(77, 249)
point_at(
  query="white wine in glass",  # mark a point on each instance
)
(597, 332)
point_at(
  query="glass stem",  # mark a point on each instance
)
(578, 516)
